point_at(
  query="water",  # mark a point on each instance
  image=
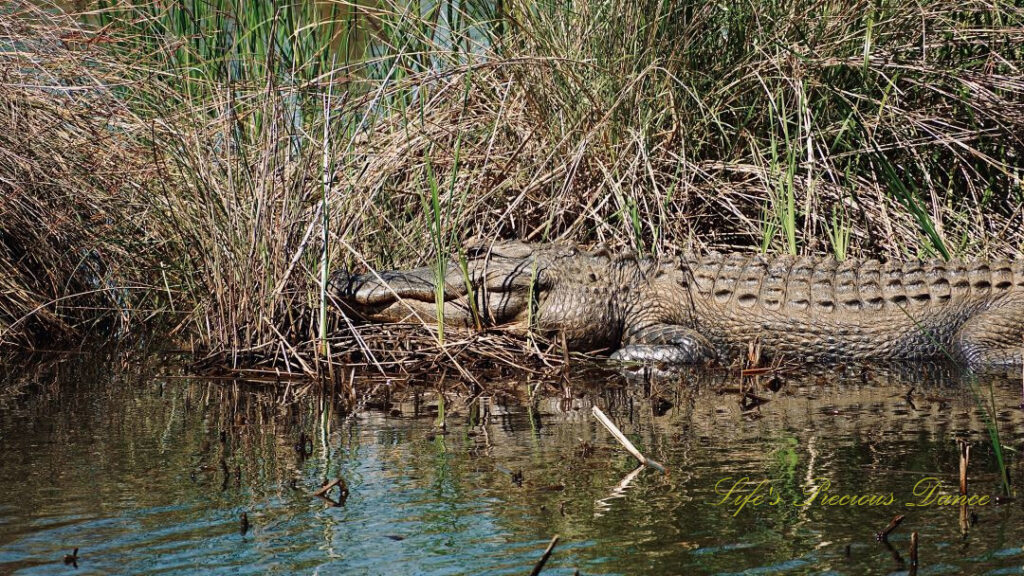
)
(148, 472)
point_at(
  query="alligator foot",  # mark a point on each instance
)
(666, 343)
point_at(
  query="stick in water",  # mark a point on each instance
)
(913, 553)
(544, 559)
(965, 455)
(883, 536)
(624, 441)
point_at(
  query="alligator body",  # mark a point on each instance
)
(689, 310)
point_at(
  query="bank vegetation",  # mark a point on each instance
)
(193, 168)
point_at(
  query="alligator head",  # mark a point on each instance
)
(511, 285)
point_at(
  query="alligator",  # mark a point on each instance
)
(695, 309)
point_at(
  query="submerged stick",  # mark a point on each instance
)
(624, 441)
(619, 491)
(883, 536)
(327, 487)
(965, 454)
(342, 491)
(913, 553)
(544, 559)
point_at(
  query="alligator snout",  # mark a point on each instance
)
(396, 296)
(386, 287)
(409, 296)
(485, 292)
(358, 294)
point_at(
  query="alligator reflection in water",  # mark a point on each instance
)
(146, 474)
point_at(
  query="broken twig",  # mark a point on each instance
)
(342, 492)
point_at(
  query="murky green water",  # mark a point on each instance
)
(147, 472)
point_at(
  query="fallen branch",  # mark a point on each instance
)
(625, 441)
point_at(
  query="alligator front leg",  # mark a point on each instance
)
(668, 343)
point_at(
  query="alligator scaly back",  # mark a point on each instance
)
(818, 308)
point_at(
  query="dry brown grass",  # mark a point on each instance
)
(72, 246)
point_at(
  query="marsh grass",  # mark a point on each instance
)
(838, 233)
(859, 128)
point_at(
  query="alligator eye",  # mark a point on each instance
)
(593, 277)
